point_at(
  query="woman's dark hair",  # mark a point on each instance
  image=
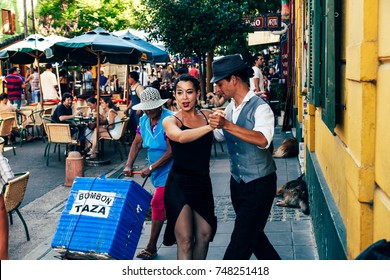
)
(92, 100)
(3, 96)
(156, 84)
(110, 103)
(66, 95)
(166, 94)
(188, 78)
(134, 75)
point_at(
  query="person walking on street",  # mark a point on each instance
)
(144, 77)
(247, 126)
(135, 92)
(15, 86)
(87, 80)
(257, 81)
(34, 83)
(189, 202)
(104, 81)
(49, 84)
(194, 71)
(151, 136)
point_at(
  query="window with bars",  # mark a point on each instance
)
(8, 22)
(324, 65)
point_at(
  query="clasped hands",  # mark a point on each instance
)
(217, 119)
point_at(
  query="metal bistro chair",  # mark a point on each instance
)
(17, 127)
(37, 123)
(123, 123)
(46, 118)
(58, 133)
(6, 126)
(13, 193)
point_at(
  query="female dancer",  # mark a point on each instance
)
(189, 202)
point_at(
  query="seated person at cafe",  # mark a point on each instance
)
(6, 107)
(92, 104)
(64, 114)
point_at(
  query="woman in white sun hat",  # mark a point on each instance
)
(150, 135)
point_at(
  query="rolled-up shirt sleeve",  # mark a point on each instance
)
(265, 123)
(218, 134)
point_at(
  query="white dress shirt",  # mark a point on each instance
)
(264, 119)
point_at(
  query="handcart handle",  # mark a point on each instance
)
(137, 173)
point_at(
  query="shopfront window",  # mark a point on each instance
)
(8, 22)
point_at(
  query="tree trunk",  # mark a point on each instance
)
(201, 78)
(209, 72)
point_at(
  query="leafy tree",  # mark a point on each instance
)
(201, 26)
(73, 17)
(264, 6)
(190, 26)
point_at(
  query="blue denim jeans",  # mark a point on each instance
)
(36, 96)
(17, 102)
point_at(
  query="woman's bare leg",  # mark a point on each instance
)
(203, 233)
(184, 234)
(102, 133)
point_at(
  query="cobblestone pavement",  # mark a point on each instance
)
(225, 212)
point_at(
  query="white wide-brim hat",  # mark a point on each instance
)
(150, 99)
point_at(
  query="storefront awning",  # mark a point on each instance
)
(262, 37)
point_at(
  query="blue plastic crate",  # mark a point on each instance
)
(102, 219)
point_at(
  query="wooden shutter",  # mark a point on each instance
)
(5, 21)
(13, 23)
(332, 62)
(315, 53)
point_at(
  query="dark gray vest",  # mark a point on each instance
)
(247, 161)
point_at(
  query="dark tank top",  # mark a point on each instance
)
(193, 157)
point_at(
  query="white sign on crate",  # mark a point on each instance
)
(92, 203)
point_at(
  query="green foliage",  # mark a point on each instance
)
(280, 92)
(190, 26)
(262, 7)
(74, 17)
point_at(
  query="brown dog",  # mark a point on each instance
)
(294, 195)
(289, 148)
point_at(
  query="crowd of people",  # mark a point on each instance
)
(171, 125)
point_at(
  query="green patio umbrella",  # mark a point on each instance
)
(85, 49)
(96, 47)
(159, 55)
(34, 48)
(26, 51)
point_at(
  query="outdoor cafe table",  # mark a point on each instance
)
(83, 120)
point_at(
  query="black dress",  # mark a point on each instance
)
(189, 183)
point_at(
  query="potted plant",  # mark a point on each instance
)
(279, 91)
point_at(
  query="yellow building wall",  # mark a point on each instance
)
(356, 161)
(381, 224)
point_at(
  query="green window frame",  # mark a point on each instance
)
(324, 58)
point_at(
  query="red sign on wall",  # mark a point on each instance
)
(264, 22)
